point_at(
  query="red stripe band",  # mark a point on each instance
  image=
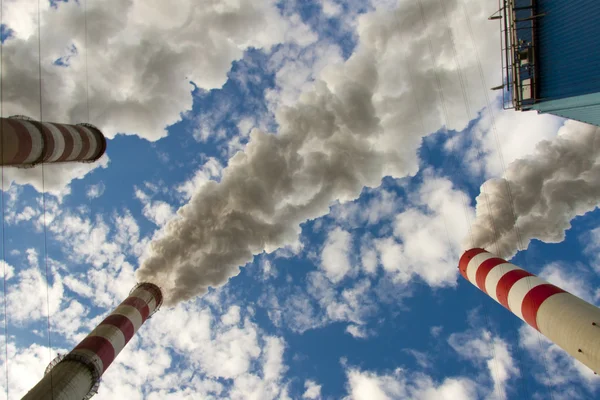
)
(101, 347)
(466, 258)
(507, 282)
(25, 143)
(139, 304)
(484, 269)
(534, 299)
(122, 323)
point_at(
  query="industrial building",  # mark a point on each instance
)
(551, 57)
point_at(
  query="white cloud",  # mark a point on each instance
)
(515, 136)
(357, 331)
(26, 298)
(209, 171)
(436, 331)
(404, 385)
(427, 236)
(157, 211)
(7, 270)
(335, 260)
(368, 257)
(312, 390)
(574, 281)
(481, 347)
(52, 178)
(296, 69)
(331, 8)
(26, 368)
(232, 317)
(383, 205)
(95, 191)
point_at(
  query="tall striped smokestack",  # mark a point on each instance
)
(567, 320)
(76, 376)
(26, 142)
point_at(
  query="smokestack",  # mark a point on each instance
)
(26, 142)
(568, 321)
(77, 375)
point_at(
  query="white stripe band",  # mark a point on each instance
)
(77, 143)
(132, 314)
(112, 334)
(93, 142)
(491, 282)
(474, 265)
(519, 291)
(59, 142)
(36, 142)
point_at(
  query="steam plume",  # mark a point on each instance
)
(360, 123)
(560, 181)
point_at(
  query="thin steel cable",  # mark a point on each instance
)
(39, 21)
(87, 77)
(433, 63)
(2, 200)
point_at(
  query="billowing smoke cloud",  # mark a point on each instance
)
(362, 121)
(141, 56)
(560, 181)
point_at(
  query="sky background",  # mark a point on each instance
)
(364, 300)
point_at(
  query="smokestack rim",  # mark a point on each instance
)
(467, 256)
(101, 140)
(152, 288)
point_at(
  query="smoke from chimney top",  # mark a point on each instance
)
(363, 121)
(559, 182)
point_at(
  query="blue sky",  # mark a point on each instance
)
(365, 302)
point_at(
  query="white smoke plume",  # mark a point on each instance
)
(363, 121)
(557, 183)
(138, 58)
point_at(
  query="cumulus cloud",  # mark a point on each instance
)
(312, 390)
(540, 194)
(401, 384)
(482, 348)
(210, 170)
(26, 299)
(52, 178)
(158, 211)
(356, 126)
(335, 260)
(426, 239)
(95, 191)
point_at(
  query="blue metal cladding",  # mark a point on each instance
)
(584, 108)
(568, 48)
(590, 115)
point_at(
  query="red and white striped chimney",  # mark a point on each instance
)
(76, 376)
(567, 320)
(25, 142)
